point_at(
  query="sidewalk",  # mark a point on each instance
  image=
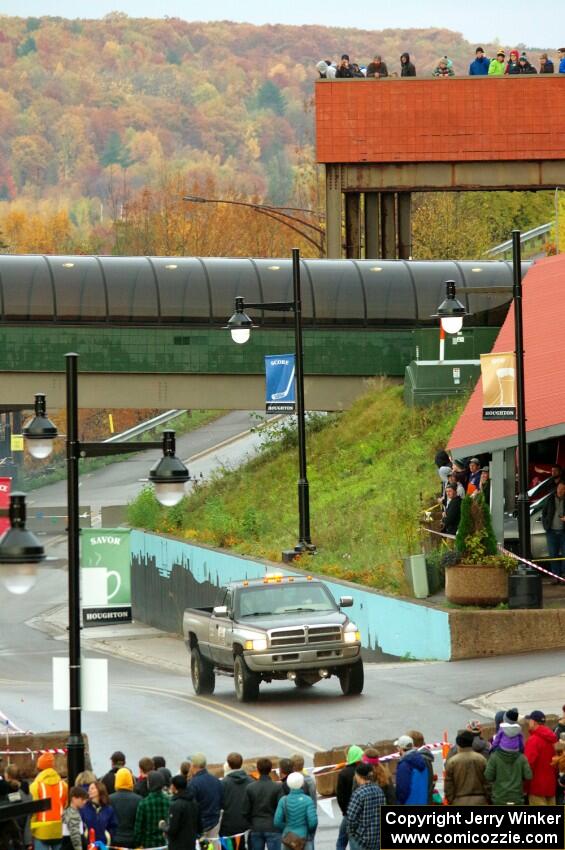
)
(144, 644)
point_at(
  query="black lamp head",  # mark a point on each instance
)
(20, 550)
(450, 312)
(39, 432)
(169, 474)
(240, 324)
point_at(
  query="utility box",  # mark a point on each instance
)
(427, 381)
(417, 575)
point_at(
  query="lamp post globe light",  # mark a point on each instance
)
(240, 324)
(39, 432)
(450, 312)
(21, 553)
(169, 475)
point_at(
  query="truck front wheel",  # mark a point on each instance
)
(246, 682)
(352, 679)
(201, 673)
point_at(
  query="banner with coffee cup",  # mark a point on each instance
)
(498, 372)
(105, 576)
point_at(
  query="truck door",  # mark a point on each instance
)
(221, 629)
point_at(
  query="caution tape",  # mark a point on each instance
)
(436, 747)
(204, 842)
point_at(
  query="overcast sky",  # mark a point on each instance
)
(511, 21)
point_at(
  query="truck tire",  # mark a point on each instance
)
(352, 679)
(201, 673)
(246, 683)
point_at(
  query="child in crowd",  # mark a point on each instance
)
(72, 821)
(509, 736)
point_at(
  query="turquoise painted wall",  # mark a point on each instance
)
(388, 625)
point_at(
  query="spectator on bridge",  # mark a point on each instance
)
(525, 65)
(497, 65)
(407, 68)
(47, 827)
(145, 767)
(183, 825)
(99, 815)
(234, 788)
(562, 60)
(465, 783)
(357, 72)
(344, 69)
(344, 790)
(261, 800)
(539, 751)
(208, 793)
(507, 770)
(412, 774)
(545, 64)
(150, 812)
(309, 786)
(553, 520)
(72, 821)
(377, 68)
(513, 66)
(326, 70)
(480, 65)
(125, 802)
(117, 760)
(452, 511)
(442, 69)
(296, 812)
(363, 812)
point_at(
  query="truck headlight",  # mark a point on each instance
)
(351, 634)
(257, 644)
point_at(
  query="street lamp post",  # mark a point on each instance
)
(451, 313)
(284, 215)
(21, 553)
(240, 327)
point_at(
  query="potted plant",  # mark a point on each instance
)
(476, 573)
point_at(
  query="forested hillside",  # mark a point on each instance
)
(105, 119)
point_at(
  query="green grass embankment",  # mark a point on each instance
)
(370, 470)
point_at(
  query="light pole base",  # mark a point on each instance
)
(289, 555)
(75, 757)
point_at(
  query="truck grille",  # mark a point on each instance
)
(303, 635)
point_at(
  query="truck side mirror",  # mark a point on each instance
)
(345, 601)
(220, 611)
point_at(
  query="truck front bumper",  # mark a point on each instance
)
(302, 659)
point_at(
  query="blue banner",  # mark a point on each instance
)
(280, 383)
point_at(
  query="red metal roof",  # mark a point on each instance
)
(544, 360)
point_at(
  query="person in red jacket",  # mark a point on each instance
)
(539, 751)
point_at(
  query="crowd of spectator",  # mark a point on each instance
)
(459, 479)
(481, 66)
(276, 807)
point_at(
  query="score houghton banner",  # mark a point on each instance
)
(467, 827)
(280, 383)
(498, 372)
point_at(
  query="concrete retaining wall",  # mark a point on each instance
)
(480, 634)
(169, 575)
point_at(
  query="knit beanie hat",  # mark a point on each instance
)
(354, 754)
(155, 780)
(45, 760)
(123, 780)
(295, 781)
(511, 716)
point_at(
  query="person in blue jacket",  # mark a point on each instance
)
(480, 64)
(98, 814)
(411, 774)
(562, 60)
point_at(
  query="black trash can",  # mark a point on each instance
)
(525, 589)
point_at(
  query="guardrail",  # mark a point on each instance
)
(143, 427)
(54, 519)
(527, 236)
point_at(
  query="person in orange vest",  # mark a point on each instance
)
(47, 827)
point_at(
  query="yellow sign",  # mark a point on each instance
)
(498, 371)
(16, 443)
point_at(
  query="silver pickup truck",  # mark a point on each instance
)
(278, 627)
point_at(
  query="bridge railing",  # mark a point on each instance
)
(532, 240)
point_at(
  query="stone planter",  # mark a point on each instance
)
(476, 585)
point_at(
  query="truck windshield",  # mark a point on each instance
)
(284, 599)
